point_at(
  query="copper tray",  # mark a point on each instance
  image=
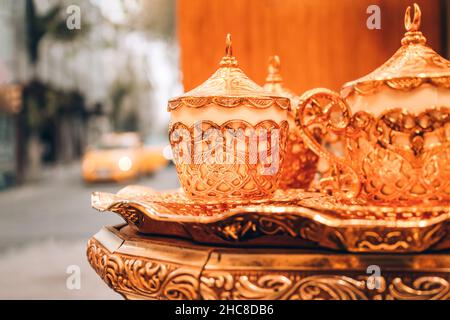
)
(291, 218)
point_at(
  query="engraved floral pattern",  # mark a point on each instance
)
(160, 278)
(240, 178)
(292, 217)
(146, 278)
(397, 157)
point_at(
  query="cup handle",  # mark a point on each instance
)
(326, 107)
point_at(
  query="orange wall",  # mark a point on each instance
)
(320, 42)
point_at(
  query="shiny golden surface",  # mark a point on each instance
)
(413, 65)
(240, 126)
(274, 81)
(397, 142)
(292, 218)
(228, 87)
(300, 163)
(223, 151)
(397, 158)
(388, 193)
(142, 267)
(238, 177)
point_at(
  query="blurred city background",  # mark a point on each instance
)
(84, 86)
(66, 94)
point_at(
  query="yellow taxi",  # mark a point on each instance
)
(121, 157)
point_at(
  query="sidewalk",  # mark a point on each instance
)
(44, 228)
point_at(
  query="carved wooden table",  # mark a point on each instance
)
(144, 267)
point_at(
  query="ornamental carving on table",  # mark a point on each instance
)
(134, 276)
(397, 240)
(268, 285)
(143, 277)
(273, 286)
(424, 288)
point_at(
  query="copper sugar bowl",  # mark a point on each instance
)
(228, 136)
(395, 126)
(300, 163)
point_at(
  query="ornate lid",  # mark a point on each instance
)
(412, 65)
(274, 81)
(228, 87)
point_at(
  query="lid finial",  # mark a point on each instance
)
(273, 70)
(228, 60)
(228, 48)
(412, 26)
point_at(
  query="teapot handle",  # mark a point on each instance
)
(335, 115)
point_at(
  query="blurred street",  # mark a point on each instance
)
(44, 228)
